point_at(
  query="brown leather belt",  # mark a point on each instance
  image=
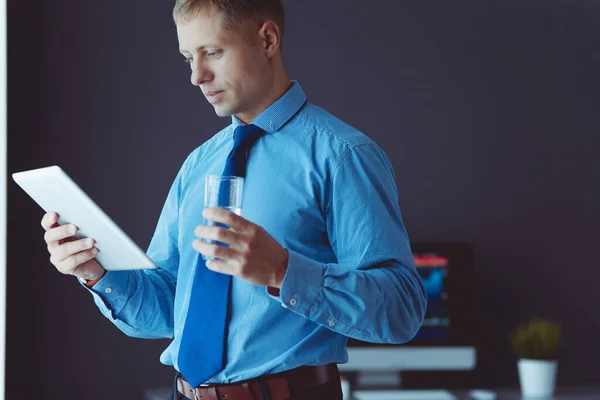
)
(280, 386)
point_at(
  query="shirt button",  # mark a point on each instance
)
(293, 301)
(331, 322)
(108, 290)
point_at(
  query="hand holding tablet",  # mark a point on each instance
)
(54, 191)
(69, 256)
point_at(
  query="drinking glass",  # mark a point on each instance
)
(222, 192)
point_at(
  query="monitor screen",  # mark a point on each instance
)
(433, 270)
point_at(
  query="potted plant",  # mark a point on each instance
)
(536, 342)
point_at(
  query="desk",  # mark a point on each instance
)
(562, 393)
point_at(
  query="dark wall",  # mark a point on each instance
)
(486, 110)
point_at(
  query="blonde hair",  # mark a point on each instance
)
(236, 13)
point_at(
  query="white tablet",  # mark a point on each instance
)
(55, 191)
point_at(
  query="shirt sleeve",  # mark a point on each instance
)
(373, 293)
(141, 302)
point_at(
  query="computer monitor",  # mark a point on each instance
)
(446, 338)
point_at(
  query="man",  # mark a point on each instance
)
(319, 254)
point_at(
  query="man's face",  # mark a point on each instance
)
(232, 74)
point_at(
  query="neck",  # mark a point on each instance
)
(280, 85)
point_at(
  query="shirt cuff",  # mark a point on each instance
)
(302, 282)
(110, 292)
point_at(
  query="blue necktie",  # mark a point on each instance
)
(202, 348)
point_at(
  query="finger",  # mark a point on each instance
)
(213, 250)
(228, 218)
(217, 233)
(49, 220)
(66, 250)
(54, 235)
(69, 265)
(219, 266)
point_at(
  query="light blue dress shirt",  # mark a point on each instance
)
(326, 192)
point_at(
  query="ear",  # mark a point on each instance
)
(270, 38)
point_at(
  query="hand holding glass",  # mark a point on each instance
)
(222, 192)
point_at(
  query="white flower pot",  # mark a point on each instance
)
(538, 378)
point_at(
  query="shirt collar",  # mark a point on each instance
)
(278, 113)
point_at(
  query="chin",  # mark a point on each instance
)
(222, 113)
(223, 110)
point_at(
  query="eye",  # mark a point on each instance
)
(213, 54)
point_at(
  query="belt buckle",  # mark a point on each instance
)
(211, 395)
(196, 396)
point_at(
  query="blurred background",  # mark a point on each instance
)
(488, 112)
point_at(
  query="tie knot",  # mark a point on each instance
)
(244, 138)
(246, 135)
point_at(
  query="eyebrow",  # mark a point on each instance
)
(199, 48)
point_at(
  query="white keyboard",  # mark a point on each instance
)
(403, 395)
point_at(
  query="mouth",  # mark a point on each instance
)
(213, 95)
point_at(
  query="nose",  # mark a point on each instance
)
(200, 73)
